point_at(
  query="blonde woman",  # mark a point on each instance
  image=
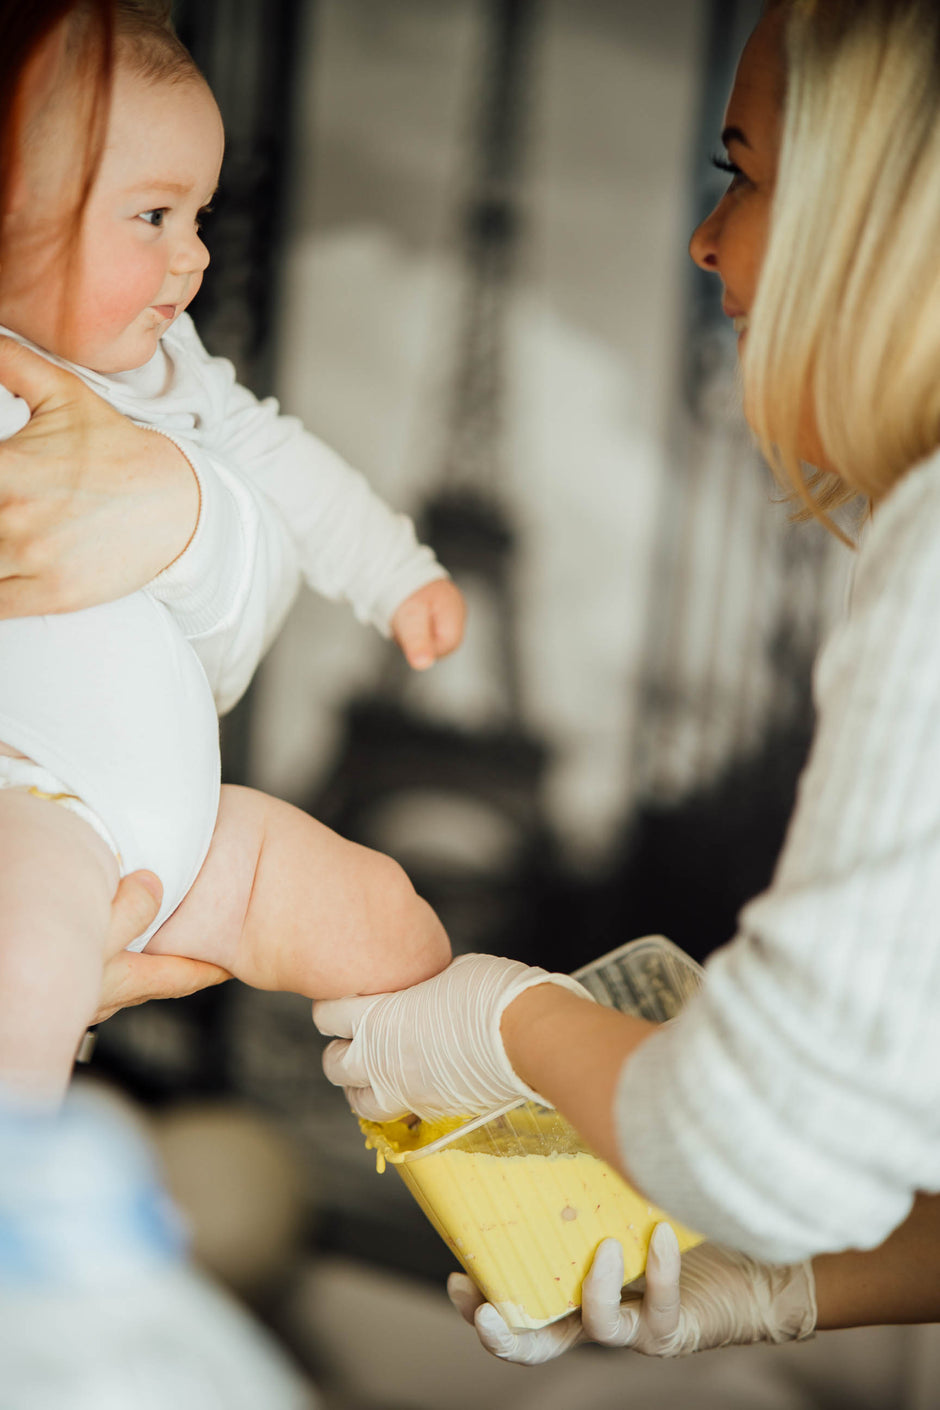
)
(793, 1110)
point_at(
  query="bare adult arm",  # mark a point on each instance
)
(91, 506)
(572, 1051)
(897, 1282)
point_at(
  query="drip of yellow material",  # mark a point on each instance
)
(522, 1204)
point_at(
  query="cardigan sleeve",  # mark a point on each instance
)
(794, 1107)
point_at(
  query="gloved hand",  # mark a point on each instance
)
(434, 1049)
(711, 1297)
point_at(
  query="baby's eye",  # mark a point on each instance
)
(205, 211)
(154, 217)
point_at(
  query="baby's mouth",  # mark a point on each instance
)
(166, 311)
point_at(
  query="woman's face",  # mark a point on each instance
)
(732, 240)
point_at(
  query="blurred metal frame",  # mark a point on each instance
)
(247, 50)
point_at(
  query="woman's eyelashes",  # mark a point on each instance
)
(724, 163)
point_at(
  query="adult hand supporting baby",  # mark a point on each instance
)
(130, 978)
(91, 506)
(434, 1049)
(711, 1297)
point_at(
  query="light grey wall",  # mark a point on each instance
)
(368, 329)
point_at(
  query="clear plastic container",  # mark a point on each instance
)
(649, 978)
(516, 1194)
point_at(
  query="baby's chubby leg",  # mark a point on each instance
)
(57, 880)
(283, 902)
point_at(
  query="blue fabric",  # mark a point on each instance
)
(81, 1203)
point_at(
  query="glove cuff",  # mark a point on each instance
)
(533, 977)
(738, 1300)
(795, 1310)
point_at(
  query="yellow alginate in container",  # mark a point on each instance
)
(522, 1204)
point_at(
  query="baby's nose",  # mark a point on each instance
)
(190, 256)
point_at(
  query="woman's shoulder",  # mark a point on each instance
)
(916, 493)
(884, 647)
(902, 537)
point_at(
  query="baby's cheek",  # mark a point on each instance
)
(107, 308)
(114, 302)
(119, 277)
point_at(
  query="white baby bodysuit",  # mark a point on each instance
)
(120, 701)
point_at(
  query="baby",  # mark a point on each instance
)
(108, 716)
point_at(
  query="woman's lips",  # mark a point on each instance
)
(737, 316)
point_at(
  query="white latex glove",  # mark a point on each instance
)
(434, 1049)
(711, 1297)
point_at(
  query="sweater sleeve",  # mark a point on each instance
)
(794, 1107)
(349, 543)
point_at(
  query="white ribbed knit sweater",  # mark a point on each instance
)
(795, 1106)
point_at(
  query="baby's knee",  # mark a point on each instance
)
(414, 942)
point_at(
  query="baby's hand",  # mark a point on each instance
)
(429, 623)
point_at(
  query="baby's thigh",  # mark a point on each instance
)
(283, 902)
(209, 921)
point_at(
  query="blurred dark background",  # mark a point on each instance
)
(451, 236)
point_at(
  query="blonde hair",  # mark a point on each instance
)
(846, 319)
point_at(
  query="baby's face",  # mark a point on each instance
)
(139, 260)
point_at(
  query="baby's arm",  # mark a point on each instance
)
(232, 588)
(282, 902)
(350, 543)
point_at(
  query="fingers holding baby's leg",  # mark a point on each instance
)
(57, 878)
(283, 902)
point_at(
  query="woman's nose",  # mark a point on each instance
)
(703, 246)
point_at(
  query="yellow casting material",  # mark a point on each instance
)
(523, 1205)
